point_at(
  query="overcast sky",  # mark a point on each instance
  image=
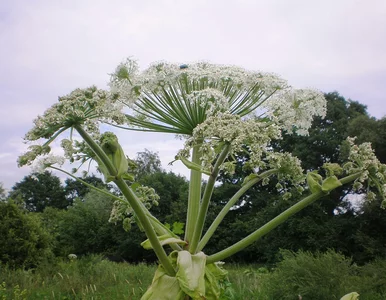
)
(50, 47)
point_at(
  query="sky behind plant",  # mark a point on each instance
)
(49, 48)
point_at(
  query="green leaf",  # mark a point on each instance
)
(351, 296)
(314, 181)
(191, 272)
(165, 239)
(330, 183)
(134, 186)
(214, 274)
(178, 228)
(164, 287)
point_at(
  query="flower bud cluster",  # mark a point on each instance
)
(86, 107)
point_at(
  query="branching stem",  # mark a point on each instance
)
(273, 223)
(232, 201)
(206, 199)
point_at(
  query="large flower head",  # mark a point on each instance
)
(177, 98)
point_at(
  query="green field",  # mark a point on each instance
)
(321, 276)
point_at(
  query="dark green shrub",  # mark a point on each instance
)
(317, 276)
(322, 276)
(23, 240)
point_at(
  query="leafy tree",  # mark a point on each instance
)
(172, 190)
(146, 162)
(75, 189)
(23, 240)
(84, 227)
(40, 190)
(2, 192)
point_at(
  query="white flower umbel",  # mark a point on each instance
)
(46, 161)
(249, 135)
(295, 109)
(85, 107)
(177, 98)
(82, 106)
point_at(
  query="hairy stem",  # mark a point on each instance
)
(194, 196)
(273, 223)
(232, 201)
(206, 199)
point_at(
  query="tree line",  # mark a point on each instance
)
(41, 218)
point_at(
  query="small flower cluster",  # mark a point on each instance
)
(82, 106)
(248, 135)
(212, 100)
(72, 257)
(122, 211)
(295, 109)
(46, 161)
(362, 159)
(35, 151)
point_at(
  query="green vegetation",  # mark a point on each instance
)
(24, 242)
(315, 277)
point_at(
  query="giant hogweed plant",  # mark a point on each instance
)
(220, 111)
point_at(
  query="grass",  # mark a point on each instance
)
(87, 278)
(303, 273)
(94, 278)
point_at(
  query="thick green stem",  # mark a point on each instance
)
(206, 199)
(232, 201)
(273, 224)
(133, 201)
(194, 196)
(149, 230)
